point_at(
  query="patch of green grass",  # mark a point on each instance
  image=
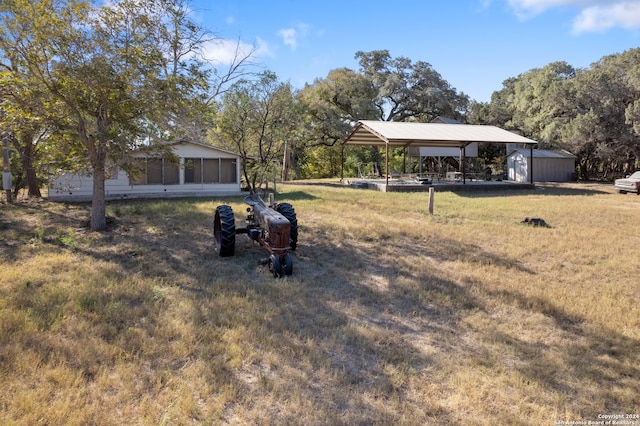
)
(69, 240)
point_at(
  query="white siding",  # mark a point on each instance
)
(186, 150)
(430, 151)
(69, 187)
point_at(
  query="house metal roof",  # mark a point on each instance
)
(372, 133)
(544, 153)
(445, 120)
(203, 145)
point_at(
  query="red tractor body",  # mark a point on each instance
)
(273, 226)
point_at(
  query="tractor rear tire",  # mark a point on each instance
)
(224, 231)
(286, 210)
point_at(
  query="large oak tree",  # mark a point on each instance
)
(592, 112)
(124, 76)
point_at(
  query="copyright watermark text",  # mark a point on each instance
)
(605, 420)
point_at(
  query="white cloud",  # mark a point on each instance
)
(292, 36)
(594, 15)
(528, 8)
(600, 18)
(289, 37)
(263, 49)
(225, 51)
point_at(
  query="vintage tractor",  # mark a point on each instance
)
(273, 225)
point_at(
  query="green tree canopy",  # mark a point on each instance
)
(256, 120)
(407, 91)
(592, 112)
(122, 77)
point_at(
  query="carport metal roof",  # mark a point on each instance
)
(404, 134)
(372, 133)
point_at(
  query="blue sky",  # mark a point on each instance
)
(474, 44)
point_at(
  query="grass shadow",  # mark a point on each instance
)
(295, 196)
(548, 189)
(591, 364)
(366, 331)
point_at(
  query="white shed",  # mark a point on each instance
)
(549, 165)
(203, 170)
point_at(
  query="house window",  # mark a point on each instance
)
(192, 170)
(171, 173)
(210, 170)
(154, 171)
(228, 171)
(159, 171)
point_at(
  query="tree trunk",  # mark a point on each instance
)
(285, 162)
(98, 160)
(296, 166)
(29, 169)
(98, 203)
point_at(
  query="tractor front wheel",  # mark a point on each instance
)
(224, 231)
(287, 264)
(275, 266)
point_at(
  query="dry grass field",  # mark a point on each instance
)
(392, 316)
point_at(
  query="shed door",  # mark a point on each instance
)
(520, 170)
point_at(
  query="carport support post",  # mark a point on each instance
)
(386, 166)
(531, 164)
(463, 169)
(464, 164)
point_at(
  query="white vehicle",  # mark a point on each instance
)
(628, 184)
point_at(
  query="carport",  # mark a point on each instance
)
(405, 134)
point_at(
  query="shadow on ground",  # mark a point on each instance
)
(358, 333)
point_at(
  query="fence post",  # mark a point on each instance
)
(431, 192)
